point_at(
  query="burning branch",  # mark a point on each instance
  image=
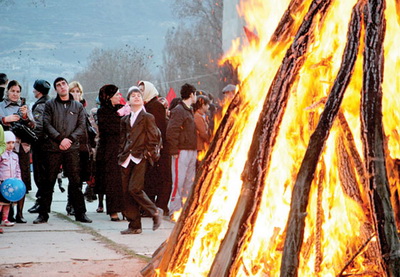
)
(301, 190)
(282, 31)
(362, 247)
(373, 138)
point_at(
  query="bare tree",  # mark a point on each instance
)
(193, 49)
(122, 67)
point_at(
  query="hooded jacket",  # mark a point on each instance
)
(63, 119)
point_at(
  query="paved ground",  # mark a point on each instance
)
(64, 247)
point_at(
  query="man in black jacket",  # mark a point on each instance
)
(64, 123)
(41, 90)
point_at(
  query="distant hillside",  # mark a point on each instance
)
(54, 38)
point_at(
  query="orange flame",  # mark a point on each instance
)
(341, 217)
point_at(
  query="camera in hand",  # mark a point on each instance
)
(23, 132)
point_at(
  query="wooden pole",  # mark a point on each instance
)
(373, 137)
(301, 190)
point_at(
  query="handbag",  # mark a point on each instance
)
(24, 133)
(92, 133)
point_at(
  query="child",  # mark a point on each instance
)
(9, 168)
(200, 119)
(139, 140)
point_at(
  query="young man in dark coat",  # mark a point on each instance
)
(64, 124)
(182, 143)
(139, 143)
(41, 90)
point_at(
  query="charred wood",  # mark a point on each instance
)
(301, 190)
(373, 137)
(320, 219)
(283, 30)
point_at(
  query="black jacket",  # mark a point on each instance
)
(37, 111)
(181, 130)
(141, 140)
(63, 119)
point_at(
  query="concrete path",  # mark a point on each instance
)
(64, 247)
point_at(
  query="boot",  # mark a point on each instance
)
(11, 214)
(35, 208)
(60, 186)
(89, 194)
(20, 207)
(70, 210)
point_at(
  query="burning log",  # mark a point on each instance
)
(318, 247)
(264, 136)
(301, 190)
(373, 138)
(282, 31)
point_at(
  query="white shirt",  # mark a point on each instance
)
(134, 115)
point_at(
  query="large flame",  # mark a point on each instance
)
(336, 220)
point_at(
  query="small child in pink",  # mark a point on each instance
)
(9, 168)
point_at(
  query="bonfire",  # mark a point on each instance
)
(301, 178)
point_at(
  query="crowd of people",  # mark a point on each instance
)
(137, 154)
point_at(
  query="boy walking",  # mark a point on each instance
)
(139, 144)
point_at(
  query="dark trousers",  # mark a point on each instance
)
(158, 182)
(39, 169)
(70, 164)
(134, 196)
(24, 164)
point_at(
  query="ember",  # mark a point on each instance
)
(312, 196)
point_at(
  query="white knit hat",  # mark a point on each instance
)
(9, 136)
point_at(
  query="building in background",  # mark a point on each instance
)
(232, 25)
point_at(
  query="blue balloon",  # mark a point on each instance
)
(13, 189)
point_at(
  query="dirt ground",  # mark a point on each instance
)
(81, 268)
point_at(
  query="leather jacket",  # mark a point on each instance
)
(63, 119)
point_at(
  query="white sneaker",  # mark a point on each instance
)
(7, 223)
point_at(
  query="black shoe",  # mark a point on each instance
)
(40, 219)
(20, 219)
(157, 219)
(70, 210)
(11, 217)
(34, 209)
(83, 218)
(130, 231)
